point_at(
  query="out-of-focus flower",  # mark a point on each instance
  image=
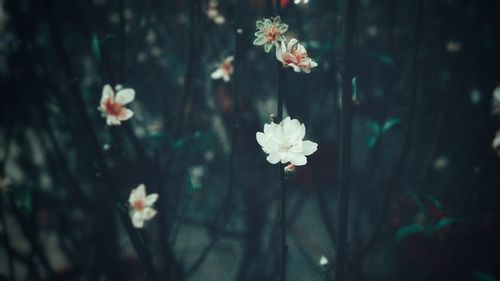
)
(453, 46)
(270, 33)
(196, 174)
(300, 1)
(295, 55)
(496, 100)
(224, 70)
(112, 108)
(496, 143)
(475, 96)
(372, 31)
(141, 206)
(440, 163)
(323, 261)
(213, 12)
(283, 142)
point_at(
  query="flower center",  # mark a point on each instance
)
(272, 34)
(112, 108)
(227, 67)
(139, 205)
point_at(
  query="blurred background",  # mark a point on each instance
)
(425, 173)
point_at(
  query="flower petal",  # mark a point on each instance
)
(273, 158)
(125, 96)
(125, 114)
(261, 138)
(137, 220)
(140, 191)
(148, 213)
(112, 120)
(151, 199)
(268, 47)
(309, 147)
(107, 92)
(217, 74)
(260, 40)
(298, 159)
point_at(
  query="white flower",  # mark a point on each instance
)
(224, 70)
(496, 143)
(300, 1)
(112, 107)
(295, 55)
(283, 142)
(496, 100)
(141, 206)
(270, 33)
(323, 261)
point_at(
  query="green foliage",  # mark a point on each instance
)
(482, 276)
(407, 230)
(378, 129)
(96, 47)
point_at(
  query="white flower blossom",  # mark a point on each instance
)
(295, 55)
(213, 12)
(141, 206)
(224, 70)
(283, 142)
(270, 33)
(112, 107)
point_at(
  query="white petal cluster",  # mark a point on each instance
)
(295, 55)
(284, 142)
(112, 106)
(141, 206)
(224, 70)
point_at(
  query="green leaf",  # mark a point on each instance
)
(381, 57)
(96, 46)
(389, 123)
(433, 200)
(419, 203)
(482, 276)
(444, 222)
(374, 126)
(407, 230)
(372, 141)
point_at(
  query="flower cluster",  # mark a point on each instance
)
(270, 32)
(224, 70)
(284, 142)
(141, 206)
(213, 12)
(112, 106)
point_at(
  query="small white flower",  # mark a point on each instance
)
(141, 206)
(295, 55)
(112, 107)
(270, 33)
(283, 142)
(224, 70)
(496, 143)
(323, 261)
(496, 101)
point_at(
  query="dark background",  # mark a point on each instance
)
(424, 194)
